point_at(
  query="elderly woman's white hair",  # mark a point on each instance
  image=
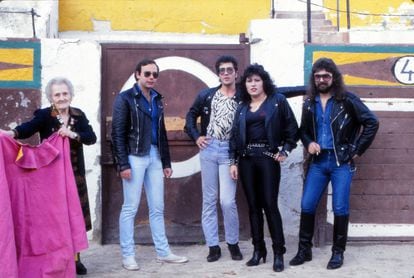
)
(58, 81)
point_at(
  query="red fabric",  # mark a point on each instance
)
(42, 225)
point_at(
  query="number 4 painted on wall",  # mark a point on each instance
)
(403, 70)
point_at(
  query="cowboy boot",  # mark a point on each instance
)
(340, 235)
(304, 254)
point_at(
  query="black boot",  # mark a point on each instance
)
(307, 223)
(80, 268)
(340, 236)
(235, 253)
(278, 264)
(258, 253)
(214, 253)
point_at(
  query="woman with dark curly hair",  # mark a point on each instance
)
(264, 132)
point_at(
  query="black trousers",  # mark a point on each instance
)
(260, 178)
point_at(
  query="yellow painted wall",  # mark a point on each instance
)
(179, 16)
(371, 12)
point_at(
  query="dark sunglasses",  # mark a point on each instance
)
(148, 74)
(324, 77)
(224, 70)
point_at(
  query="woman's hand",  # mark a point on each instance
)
(66, 132)
(280, 157)
(234, 173)
(7, 132)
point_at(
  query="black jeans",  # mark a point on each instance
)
(260, 178)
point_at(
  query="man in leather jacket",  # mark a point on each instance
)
(216, 107)
(336, 128)
(141, 151)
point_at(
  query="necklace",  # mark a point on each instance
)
(255, 105)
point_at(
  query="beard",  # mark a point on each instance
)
(324, 88)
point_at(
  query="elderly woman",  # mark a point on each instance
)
(68, 122)
(264, 132)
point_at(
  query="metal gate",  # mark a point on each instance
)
(184, 71)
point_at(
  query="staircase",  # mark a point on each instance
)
(323, 32)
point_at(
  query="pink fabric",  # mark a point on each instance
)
(41, 226)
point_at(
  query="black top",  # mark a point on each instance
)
(255, 125)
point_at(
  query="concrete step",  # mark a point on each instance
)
(329, 37)
(300, 15)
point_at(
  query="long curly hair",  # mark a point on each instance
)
(256, 69)
(338, 87)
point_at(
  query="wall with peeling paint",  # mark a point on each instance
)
(179, 16)
(383, 15)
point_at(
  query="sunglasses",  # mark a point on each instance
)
(324, 77)
(226, 70)
(148, 74)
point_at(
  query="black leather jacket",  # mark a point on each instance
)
(131, 128)
(347, 117)
(201, 108)
(280, 123)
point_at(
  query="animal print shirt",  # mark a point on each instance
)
(223, 109)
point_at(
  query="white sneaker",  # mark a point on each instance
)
(129, 263)
(171, 258)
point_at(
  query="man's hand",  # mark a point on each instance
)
(167, 172)
(125, 174)
(314, 148)
(234, 173)
(202, 142)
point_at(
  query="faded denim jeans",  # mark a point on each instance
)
(146, 170)
(217, 183)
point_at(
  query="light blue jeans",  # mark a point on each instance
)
(216, 182)
(145, 170)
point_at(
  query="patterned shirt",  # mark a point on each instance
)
(223, 109)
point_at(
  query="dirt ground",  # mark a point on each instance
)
(391, 260)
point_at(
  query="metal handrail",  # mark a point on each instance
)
(32, 12)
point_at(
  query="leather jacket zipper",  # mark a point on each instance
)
(333, 137)
(136, 113)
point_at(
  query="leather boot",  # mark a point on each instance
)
(304, 254)
(258, 253)
(340, 236)
(235, 253)
(214, 253)
(278, 264)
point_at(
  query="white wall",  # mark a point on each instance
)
(19, 25)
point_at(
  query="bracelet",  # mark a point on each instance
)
(233, 161)
(284, 153)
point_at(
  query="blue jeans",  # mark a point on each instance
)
(322, 170)
(216, 181)
(145, 170)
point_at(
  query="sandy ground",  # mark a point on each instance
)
(361, 260)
